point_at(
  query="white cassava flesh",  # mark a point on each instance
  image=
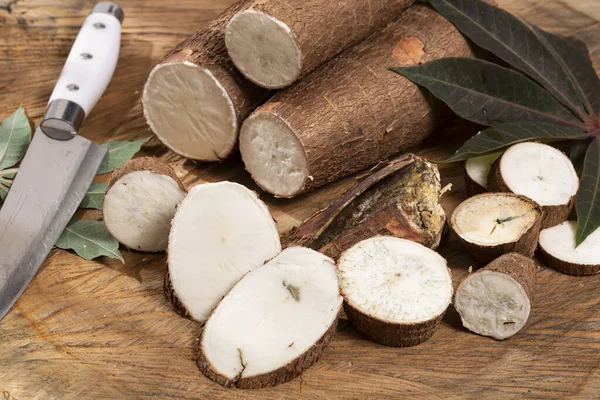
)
(478, 169)
(219, 233)
(273, 155)
(263, 49)
(189, 110)
(396, 290)
(558, 250)
(274, 323)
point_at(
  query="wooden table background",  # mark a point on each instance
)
(91, 330)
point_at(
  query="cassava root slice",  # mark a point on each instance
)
(541, 173)
(557, 250)
(492, 224)
(274, 42)
(352, 112)
(195, 99)
(140, 202)
(396, 291)
(274, 323)
(219, 233)
(476, 173)
(398, 198)
(496, 300)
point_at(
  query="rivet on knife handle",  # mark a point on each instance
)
(87, 72)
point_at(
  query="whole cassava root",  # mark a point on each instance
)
(399, 198)
(352, 112)
(140, 202)
(195, 99)
(276, 42)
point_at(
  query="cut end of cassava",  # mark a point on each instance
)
(264, 49)
(541, 173)
(189, 110)
(273, 155)
(219, 233)
(495, 300)
(274, 323)
(396, 290)
(476, 173)
(140, 203)
(492, 224)
(558, 250)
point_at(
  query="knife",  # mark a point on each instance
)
(59, 166)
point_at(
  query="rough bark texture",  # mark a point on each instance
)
(553, 215)
(172, 298)
(520, 268)
(567, 267)
(355, 105)
(526, 245)
(144, 164)
(400, 198)
(286, 373)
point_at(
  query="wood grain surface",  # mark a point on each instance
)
(102, 330)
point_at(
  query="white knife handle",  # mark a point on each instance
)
(87, 71)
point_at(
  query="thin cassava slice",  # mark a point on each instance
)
(558, 250)
(540, 172)
(274, 42)
(220, 232)
(477, 170)
(492, 224)
(274, 323)
(496, 300)
(140, 202)
(395, 291)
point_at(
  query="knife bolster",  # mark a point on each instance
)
(62, 119)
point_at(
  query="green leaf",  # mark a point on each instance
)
(578, 150)
(3, 191)
(502, 136)
(588, 197)
(119, 153)
(89, 239)
(94, 196)
(15, 136)
(513, 41)
(486, 93)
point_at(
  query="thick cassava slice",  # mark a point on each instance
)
(275, 42)
(140, 202)
(540, 172)
(496, 300)
(492, 224)
(195, 99)
(274, 323)
(557, 250)
(353, 112)
(396, 291)
(400, 198)
(219, 233)
(476, 173)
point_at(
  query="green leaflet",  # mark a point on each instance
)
(94, 196)
(588, 197)
(3, 191)
(15, 136)
(89, 239)
(118, 153)
(578, 150)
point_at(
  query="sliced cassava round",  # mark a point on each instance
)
(275, 43)
(140, 202)
(492, 224)
(540, 172)
(558, 250)
(396, 291)
(195, 99)
(353, 112)
(274, 323)
(219, 233)
(476, 173)
(496, 300)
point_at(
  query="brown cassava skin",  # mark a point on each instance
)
(525, 246)
(473, 188)
(144, 164)
(567, 267)
(355, 105)
(172, 298)
(284, 374)
(312, 23)
(400, 198)
(520, 268)
(553, 215)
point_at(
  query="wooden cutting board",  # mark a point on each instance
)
(92, 330)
